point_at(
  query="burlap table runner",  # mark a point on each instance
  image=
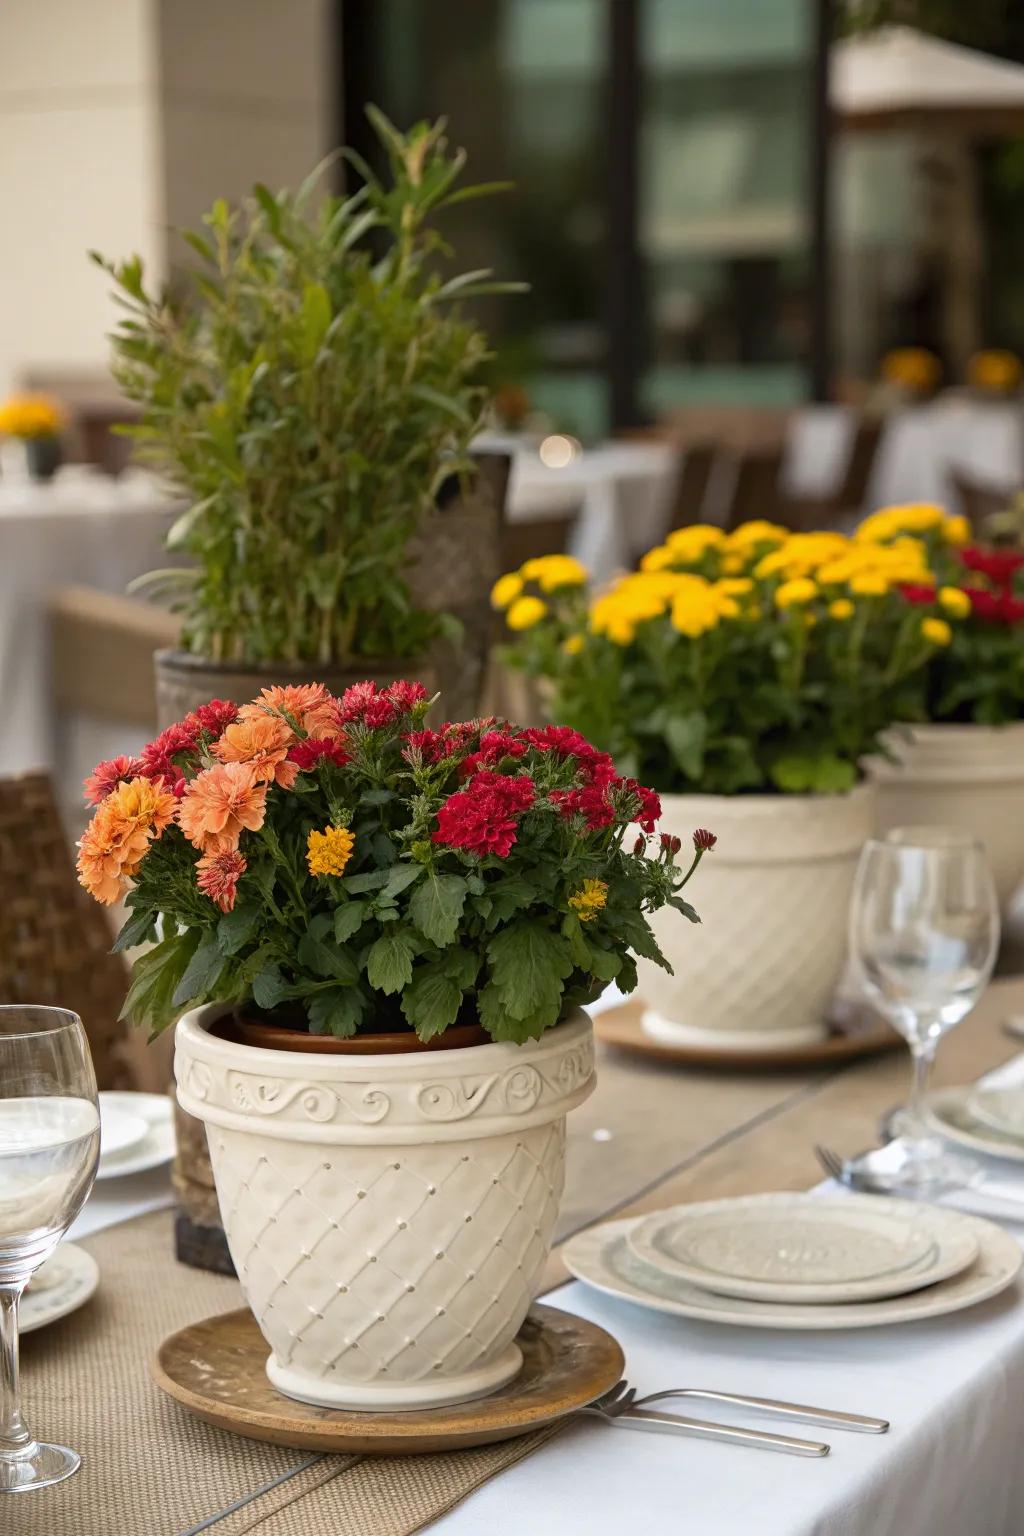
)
(149, 1468)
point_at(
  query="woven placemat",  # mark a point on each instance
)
(149, 1468)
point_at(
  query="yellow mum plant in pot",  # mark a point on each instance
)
(745, 676)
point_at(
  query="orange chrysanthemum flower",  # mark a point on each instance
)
(218, 874)
(307, 703)
(221, 803)
(118, 837)
(262, 741)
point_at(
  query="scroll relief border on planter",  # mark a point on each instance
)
(504, 1099)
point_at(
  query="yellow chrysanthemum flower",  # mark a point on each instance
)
(27, 416)
(589, 900)
(735, 586)
(573, 644)
(956, 531)
(936, 631)
(691, 542)
(525, 612)
(796, 593)
(553, 571)
(954, 602)
(506, 589)
(660, 558)
(695, 612)
(841, 609)
(328, 852)
(870, 584)
(757, 531)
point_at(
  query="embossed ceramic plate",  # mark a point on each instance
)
(951, 1112)
(603, 1258)
(61, 1285)
(217, 1369)
(157, 1144)
(1001, 1109)
(792, 1247)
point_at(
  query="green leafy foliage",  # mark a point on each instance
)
(306, 393)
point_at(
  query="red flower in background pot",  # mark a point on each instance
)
(999, 565)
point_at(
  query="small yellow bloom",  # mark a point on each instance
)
(27, 416)
(735, 586)
(956, 531)
(694, 612)
(328, 852)
(936, 631)
(525, 612)
(691, 542)
(757, 531)
(870, 584)
(956, 603)
(506, 589)
(589, 900)
(660, 558)
(553, 571)
(573, 645)
(794, 594)
(733, 562)
(841, 609)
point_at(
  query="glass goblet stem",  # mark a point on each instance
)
(15, 1439)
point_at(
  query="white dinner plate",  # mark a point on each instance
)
(799, 1248)
(61, 1285)
(602, 1257)
(1001, 1109)
(951, 1112)
(119, 1130)
(156, 1146)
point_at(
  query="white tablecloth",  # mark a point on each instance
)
(949, 1466)
(918, 449)
(83, 529)
(623, 492)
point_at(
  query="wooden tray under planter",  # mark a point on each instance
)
(865, 1036)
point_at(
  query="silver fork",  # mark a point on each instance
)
(622, 1406)
(861, 1179)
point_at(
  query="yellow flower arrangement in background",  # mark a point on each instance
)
(995, 370)
(757, 658)
(27, 416)
(912, 368)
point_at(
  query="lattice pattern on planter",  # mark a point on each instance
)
(403, 1262)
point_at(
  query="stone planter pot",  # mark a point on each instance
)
(388, 1215)
(967, 776)
(184, 681)
(773, 899)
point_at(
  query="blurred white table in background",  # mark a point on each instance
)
(82, 527)
(919, 448)
(623, 491)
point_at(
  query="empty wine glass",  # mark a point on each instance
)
(49, 1147)
(924, 930)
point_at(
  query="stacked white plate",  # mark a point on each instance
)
(136, 1133)
(799, 1261)
(986, 1120)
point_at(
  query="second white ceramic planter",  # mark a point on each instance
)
(773, 898)
(388, 1216)
(966, 776)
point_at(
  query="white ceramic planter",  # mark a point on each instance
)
(388, 1216)
(968, 776)
(773, 898)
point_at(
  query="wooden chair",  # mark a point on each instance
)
(95, 636)
(54, 940)
(533, 537)
(980, 499)
(752, 490)
(697, 463)
(805, 513)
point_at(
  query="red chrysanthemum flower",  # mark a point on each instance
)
(592, 802)
(404, 695)
(179, 740)
(107, 776)
(494, 747)
(999, 565)
(308, 753)
(213, 718)
(595, 767)
(218, 874)
(648, 803)
(483, 818)
(917, 594)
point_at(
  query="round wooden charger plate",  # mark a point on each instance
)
(216, 1368)
(620, 1027)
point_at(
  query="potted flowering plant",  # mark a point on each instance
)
(958, 757)
(308, 394)
(35, 422)
(382, 934)
(745, 676)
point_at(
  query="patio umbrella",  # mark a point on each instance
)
(897, 78)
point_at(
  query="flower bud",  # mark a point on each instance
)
(640, 845)
(703, 840)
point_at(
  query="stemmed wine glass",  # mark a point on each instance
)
(924, 930)
(49, 1147)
